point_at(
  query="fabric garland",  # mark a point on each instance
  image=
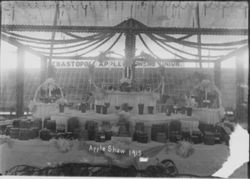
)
(162, 41)
(38, 40)
(80, 49)
(184, 42)
(195, 46)
(181, 57)
(95, 47)
(60, 48)
(118, 38)
(46, 41)
(84, 38)
(144, 43)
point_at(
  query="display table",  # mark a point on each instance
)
(117, 98)
(205, 160)
(210, 116)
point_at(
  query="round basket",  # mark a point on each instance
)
(42, 109)
(206, 84)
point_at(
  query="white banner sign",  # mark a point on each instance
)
(111, 64)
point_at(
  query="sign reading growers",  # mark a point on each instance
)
(111, 64)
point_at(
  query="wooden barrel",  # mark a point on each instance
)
(7, 129)
(100, 137)
(24, 134)
(108, 135)
(14, 133)
(142, 137)
(73, 123)
(91, 134)
(148, 131)
(209, 138)
(139, 126)
(76, 133)
(45, 122)
(37, 123)
(16, 123)
(156, 128)
(25, 124)
(51, 125)
(166, 129)
(83, 134)
(104, 110)
(189, 111)
(123, 131)
(140, 109)
(83, 107)
(175, 125)
(161, 137)
(90, 125)
(150, 109)
(98, 108)
(61, 108)
(34, 132)
(106, 126)
(196, 137)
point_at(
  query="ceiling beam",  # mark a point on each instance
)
(233, 53)
(198, 35)
(119, 29)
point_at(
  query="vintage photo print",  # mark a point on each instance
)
(124, 88)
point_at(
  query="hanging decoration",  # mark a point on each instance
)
(168, 38)
(86, 10)
(205, 10)
(115, 5)
(79, 49)
(131, 10)
(114, 43)
(144, 43)
(246, 12)
(41, 41)
(223, 12)
(207, 87)
(13, 14)
(102, 43)
(152, 37)
(107, 8)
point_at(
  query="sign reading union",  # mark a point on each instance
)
(111, 64)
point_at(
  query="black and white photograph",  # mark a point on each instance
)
(124, 89)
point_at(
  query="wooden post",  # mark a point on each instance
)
(20, 83)
(198, 34)
(217, 74)
(50, 72)
(239, 90)
(43, 69)
(129, 71)
(1, 71)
